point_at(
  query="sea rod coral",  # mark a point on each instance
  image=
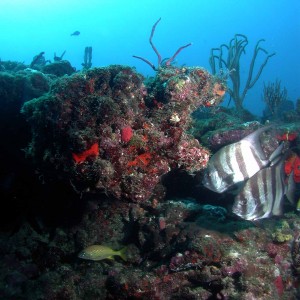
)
(226, 60)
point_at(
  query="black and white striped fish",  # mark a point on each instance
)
(263, 194)
(237, 162)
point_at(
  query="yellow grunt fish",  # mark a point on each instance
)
(99, 252)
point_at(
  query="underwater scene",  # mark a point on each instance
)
(150, 149)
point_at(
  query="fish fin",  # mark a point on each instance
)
(110, 257)
(298, 205)
(123, 253)
(275, 156)
(291, 189)
(276, 160)
(253, 139)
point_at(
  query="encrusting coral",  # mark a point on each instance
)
(104, 130)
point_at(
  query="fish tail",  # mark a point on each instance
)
(123, 253)
(298, 205)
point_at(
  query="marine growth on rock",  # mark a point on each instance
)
(105, 130)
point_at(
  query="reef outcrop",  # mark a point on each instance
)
(105, 130)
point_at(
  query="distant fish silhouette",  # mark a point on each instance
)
(76, 33)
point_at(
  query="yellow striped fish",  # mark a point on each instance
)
(100, 252)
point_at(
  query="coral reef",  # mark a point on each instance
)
(17, 85)
(11, 66)
(59, 68)
(174, 252)
(282, 233)
(106, 146)
(38, 61)
(218, 127)
(104, 130)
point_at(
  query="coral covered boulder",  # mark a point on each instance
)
(59, 68)
(105, 130)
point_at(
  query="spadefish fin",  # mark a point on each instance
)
(291, 189)
(253, 139)
(276, 154)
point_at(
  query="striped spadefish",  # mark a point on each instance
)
(233, 164)
(262, 196)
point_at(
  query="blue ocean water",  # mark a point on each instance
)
(118, 29)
